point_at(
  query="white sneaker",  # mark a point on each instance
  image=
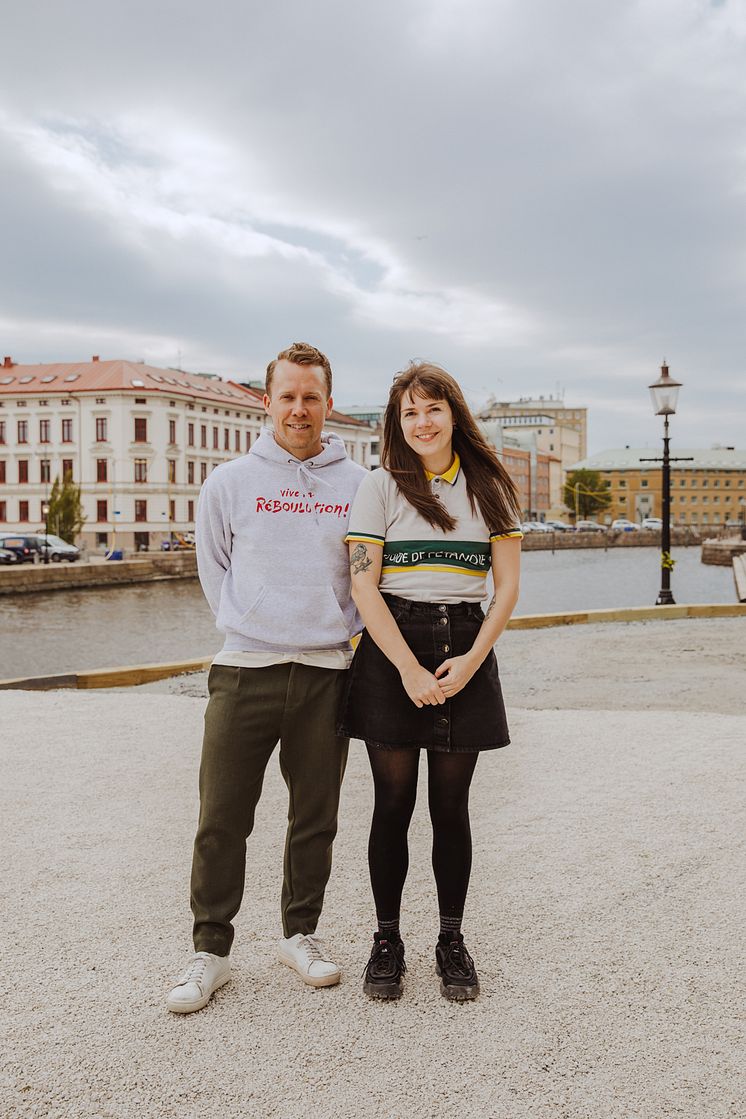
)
(306, 955)
(194, 990)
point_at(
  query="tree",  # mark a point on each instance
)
(586, 492)
(65, 509)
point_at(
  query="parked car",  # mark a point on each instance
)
(557, 526)
(621, 524)
(24, 546)
(58, 548)
(179, 542)
(6, 556)
(589, 526)
(653, 522)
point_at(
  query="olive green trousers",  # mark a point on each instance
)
(249, 710)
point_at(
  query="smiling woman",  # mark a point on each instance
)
(424, 533)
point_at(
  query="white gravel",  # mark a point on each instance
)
(605, 915)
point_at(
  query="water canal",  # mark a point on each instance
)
(70, 630)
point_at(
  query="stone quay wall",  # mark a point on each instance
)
(27, 578)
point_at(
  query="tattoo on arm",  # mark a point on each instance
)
(490, 608)
(360, 560)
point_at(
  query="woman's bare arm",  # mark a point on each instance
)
(365, 568)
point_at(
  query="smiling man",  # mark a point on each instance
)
(274, 569)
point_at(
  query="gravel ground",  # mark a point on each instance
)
(605, 913)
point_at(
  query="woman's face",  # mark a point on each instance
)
(427, 426)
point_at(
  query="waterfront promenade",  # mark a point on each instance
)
(605, 913)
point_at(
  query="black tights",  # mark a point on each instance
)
(395, 780)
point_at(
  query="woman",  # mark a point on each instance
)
(424, 532)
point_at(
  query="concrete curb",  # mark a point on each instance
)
(132, 675)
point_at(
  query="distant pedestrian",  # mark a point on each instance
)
(424, 533)
(274, 569)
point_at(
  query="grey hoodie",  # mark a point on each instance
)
(270, 548)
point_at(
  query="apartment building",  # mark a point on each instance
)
(562, 430)
(707, 490)
(139, 441)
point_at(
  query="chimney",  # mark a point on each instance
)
(95, 357)
(7, 363)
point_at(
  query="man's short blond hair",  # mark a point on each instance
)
(301, 353)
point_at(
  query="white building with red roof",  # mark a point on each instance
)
(137, 439)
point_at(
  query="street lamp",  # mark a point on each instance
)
(45, 514)
(664, 393)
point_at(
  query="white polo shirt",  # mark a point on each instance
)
(421, 562)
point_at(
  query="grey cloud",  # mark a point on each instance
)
(580, 165)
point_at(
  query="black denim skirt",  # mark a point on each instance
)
(377, 709)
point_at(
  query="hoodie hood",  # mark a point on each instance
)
(332, 450)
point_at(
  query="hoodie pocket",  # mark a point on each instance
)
(298, 617)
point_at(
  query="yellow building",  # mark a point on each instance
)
(708, 490)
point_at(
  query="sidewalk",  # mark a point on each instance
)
(605, 915)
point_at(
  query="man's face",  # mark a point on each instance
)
(298, 406)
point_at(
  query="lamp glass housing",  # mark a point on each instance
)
(664, 393)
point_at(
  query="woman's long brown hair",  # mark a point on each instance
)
(488, 483)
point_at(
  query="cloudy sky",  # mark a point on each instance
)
(540, 196)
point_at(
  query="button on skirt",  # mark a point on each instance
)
(377, 709)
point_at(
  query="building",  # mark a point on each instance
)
(708, 490)
(139, 441)
(372, 415)
(563, 430)
(536, 474)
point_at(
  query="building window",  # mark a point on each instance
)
(23, 470)
(622, 483)
(23, 431)
(67, 430)
(202, 471)
(190, 435)
(726, 483)
(45, 470)
(643, 483)
(172, 510)
(3, 511)
(203, 435)
(190, 473)
(172, 432)
(226, 439)
(141, 470)
(705, 482)
(101, 425)
(102, 472)
(237, 442)
(2, 471)
(141, 510)
(141, 429)
(23, 510)
(142, 541)
(716, 482)
(2, 432)
(248, 440)
(102, 512)
(215, 439)
(190, 511)
(43, 431)
(172, 470)
(67, 469)
(102, 540)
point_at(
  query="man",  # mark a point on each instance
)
(273, 567)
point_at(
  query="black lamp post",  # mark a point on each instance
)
(45, 511)
(664, 394)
